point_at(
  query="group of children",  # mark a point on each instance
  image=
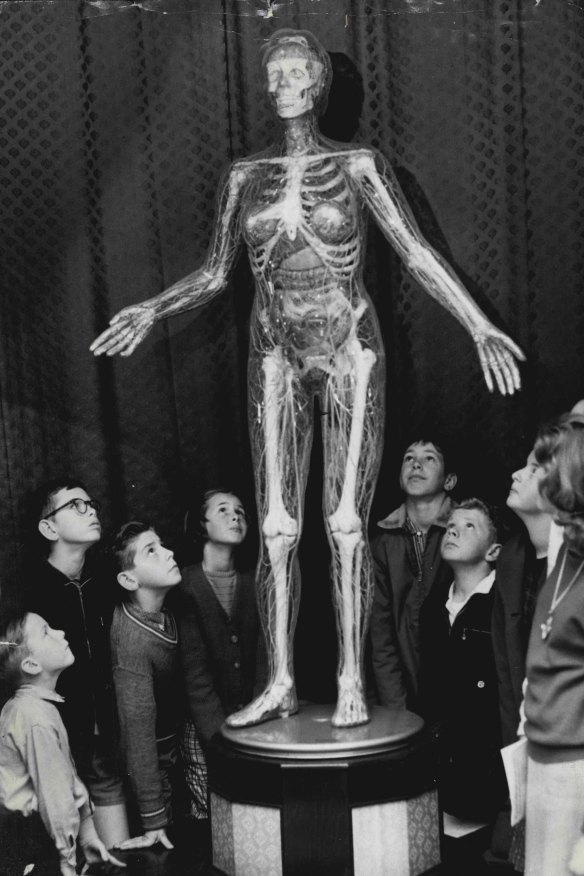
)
(116, 699)
(452, 619)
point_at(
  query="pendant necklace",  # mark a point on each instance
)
(557, 597)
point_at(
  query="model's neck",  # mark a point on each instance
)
(466, 578)
(423, 512)
(68, 559)
(538, 528)
(300, 134)
(150, 601)
(218, 557)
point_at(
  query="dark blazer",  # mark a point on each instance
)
(458, 691)
(223, 658)
(398, 598)
(83, 610)
(511, 623)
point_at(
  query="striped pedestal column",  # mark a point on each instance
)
(296, 797)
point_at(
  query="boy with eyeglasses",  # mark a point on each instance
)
(71, 590)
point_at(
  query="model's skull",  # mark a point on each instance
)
(291, 83)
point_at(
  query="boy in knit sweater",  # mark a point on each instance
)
(146, 677)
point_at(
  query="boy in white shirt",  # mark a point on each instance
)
(41, 795)
(459, 686)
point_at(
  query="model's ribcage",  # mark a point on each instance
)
(302, 227)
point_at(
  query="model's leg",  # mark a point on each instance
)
(352, 443)
(281, 430)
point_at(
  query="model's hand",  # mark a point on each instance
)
(150, 838)
(576, 865)
(127, 329)
(497, 354)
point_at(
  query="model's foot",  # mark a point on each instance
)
(351, 707)
(277, 701)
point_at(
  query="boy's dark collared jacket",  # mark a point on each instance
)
(83, 610)
(458, 692)
(397, 601)
(223, 658)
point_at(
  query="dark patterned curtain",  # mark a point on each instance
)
(116, 120)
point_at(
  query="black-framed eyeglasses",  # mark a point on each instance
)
(80, 505)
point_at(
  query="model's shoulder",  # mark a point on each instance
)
(360, 157)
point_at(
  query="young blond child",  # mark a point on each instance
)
(44, 806)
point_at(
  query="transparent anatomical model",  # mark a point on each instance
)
(300, 208)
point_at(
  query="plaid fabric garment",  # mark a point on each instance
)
(195, 770)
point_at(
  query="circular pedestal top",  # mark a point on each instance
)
(310, 735)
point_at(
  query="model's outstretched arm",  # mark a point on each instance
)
(132, 324)
(497, 352)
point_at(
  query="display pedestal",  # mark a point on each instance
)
(298, 797)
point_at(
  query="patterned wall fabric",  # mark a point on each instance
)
(116, 121)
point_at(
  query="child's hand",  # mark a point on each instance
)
(150, 838)
(96, 853)
(576, 865)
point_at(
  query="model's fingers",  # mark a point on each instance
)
(510, 368)
(494, 367)
(132, 345)
(485, 366)
(515, 372)
(513, 348)
(110, 341)
(165, 841)
(122, 342)
(101, 343)
(508, 352)
(504, 360)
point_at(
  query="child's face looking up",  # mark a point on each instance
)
(422, 472)
(47, 648)
(70, 525)
(468, 537)
(225, 519)
(154, 564)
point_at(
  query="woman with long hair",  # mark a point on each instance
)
(554, 698)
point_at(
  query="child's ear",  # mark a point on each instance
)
(492, 553)
(450, 482)
(47, 530)
(127, 580)
(31, 666)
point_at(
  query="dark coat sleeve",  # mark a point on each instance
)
(508, 640)
(203, 701)
(387, 668)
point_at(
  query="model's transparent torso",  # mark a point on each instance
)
(300, 208)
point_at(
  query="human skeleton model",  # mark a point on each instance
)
(299, 207)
